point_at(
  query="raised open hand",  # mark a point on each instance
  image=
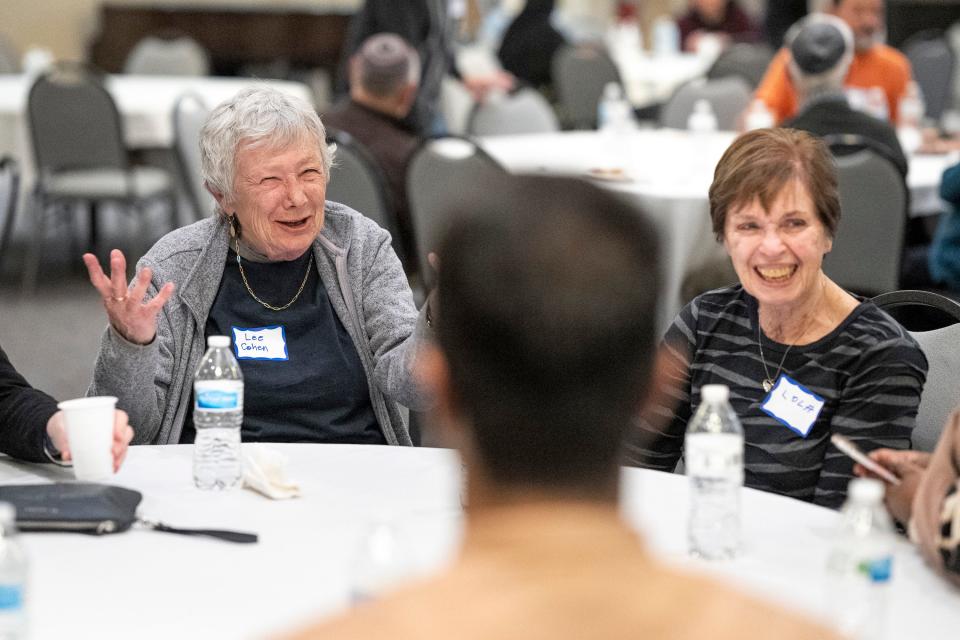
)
(130, 314)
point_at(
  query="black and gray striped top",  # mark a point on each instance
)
(869, 371)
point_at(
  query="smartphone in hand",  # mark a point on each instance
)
(846, 445)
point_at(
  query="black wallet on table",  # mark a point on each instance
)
(85, 507)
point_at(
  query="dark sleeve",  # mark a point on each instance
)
(878, 408)
(656, 441)
(950, 185)
(24, 412)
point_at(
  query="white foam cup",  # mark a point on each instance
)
(89, 424)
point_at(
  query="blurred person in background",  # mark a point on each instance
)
(820, 54)
(786, 333)
(384, 76)
(723, 20)
(428, 26)
(878, 74)
(530, 42)
(536, 384)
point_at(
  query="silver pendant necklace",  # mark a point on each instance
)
(768, 382)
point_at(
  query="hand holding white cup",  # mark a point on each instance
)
(90, 434)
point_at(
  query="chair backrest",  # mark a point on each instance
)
(932, 61)
(443, 172)
(525, 111)
(941, 394)
(580, 73)
(357, 181)
(74, 123)
(9, 192)
(189, 114)
(9, 59)
(745, 60)
(180, 56)
(869, 241)
(919, 310)
(728, 97)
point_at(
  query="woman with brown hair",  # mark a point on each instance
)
(803, 358)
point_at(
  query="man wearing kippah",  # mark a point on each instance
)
(878, 74)
(384, 76)
(820, 55)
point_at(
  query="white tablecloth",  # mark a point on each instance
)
(669, 173)
(145, 584)
(650, 78)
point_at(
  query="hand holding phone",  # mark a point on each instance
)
(845, 445)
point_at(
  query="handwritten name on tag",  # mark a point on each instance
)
(792, 405)
(261, 343)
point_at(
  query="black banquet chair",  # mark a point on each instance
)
(941, 345)
(78, 148)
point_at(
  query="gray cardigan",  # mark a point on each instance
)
(366, 286)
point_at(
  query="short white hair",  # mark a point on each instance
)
(831, 78)
(256, 116)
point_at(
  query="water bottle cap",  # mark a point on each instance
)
(611, 91)
(715, 393)
(702, 106)
(865, 490)
(218, 341)
(8, 513)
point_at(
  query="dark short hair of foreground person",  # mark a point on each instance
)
(545, 323)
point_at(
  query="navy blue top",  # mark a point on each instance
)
(319, 392)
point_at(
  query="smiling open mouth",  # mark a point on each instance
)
(776, 274)
(295, 224)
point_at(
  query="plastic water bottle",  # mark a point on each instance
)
(217, 417)
(910, 113)
(380, 564)
(758, 116)
(702, 119)
(860, 563)
(614, 113)
(13, 577)
(713, 452)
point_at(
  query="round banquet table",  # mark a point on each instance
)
(146, 584)
(668, 172)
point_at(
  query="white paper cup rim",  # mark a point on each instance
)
(87, 403)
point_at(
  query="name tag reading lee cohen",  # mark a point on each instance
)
(792, 405)
(260, 343)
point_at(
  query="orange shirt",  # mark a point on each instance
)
(880, 66)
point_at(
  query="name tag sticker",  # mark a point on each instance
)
(260, 343)
(790, 404)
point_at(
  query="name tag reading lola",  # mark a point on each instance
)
(790, 404)
(260, 343)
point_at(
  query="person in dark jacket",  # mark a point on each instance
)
(31, 427)
(530, 42)
(718, 18)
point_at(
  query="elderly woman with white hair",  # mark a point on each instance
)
(311, 292)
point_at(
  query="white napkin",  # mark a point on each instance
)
(264, 471)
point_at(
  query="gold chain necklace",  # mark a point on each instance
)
(306, 276)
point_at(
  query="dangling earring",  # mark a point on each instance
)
(234, 226)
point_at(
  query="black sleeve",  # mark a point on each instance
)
(24, 412)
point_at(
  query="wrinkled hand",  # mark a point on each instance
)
(131, 316)
(480, 86)
(906, 465)
(122, 435)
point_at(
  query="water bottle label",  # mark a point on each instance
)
(260, 343)
(218, 395)
(714, 455)
(877, 569)
(11, 597)
(792, 405)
